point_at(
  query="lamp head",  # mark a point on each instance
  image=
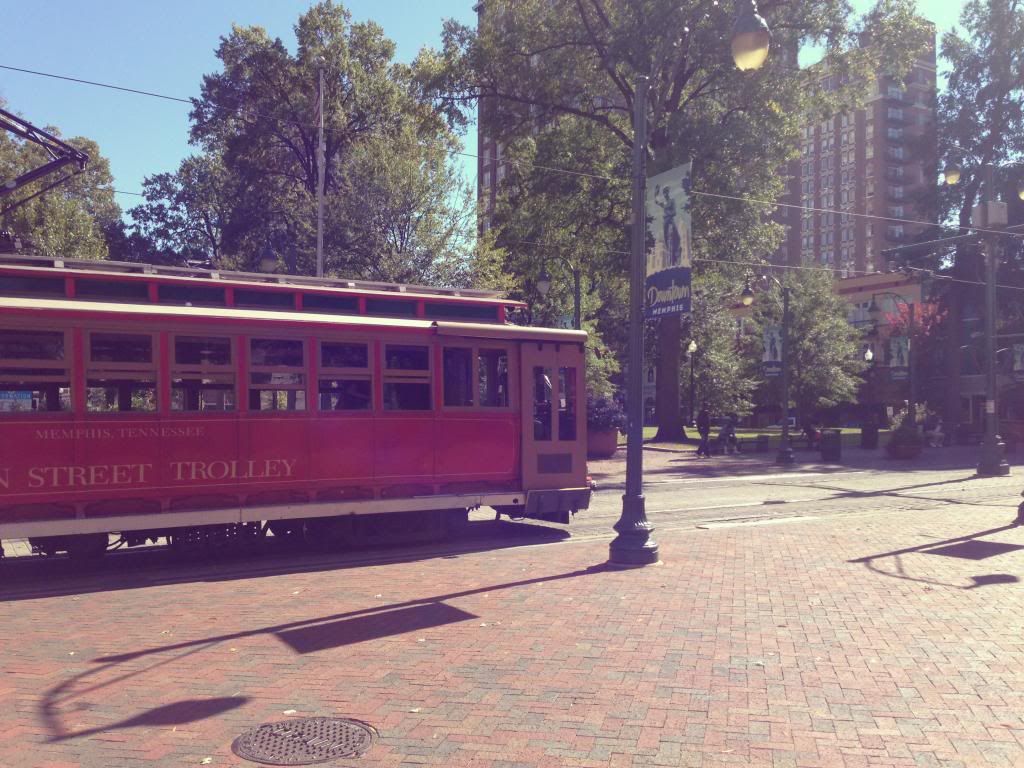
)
(268, 259)
(869, 354)
(544, 281)
(747, 297)
(692, 346)
(951, 174)
(750, 37)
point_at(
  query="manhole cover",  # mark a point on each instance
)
(305, 741)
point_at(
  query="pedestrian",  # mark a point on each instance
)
(704, 430)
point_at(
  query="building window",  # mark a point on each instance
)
(277, 375)
(203, 374)
(121, 373)
(33, 372)
(406, 378)
(345, 382)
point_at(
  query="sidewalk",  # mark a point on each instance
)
(668, 460)
(869, 639)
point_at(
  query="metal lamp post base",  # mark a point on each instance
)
(993, 459)
(785, 454)
(634, 544)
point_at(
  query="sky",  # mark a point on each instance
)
(166, 47)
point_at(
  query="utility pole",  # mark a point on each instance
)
(321, 173)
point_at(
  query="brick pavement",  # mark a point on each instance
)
(870, 639)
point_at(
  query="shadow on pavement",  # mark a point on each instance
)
(177, 713)
(305, 636)
(968, 547)
(27, 578)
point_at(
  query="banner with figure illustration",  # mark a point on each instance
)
(899, 358)
(772, 359)
(1018, 362)
(667, 288)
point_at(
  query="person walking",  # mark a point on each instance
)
(704, 430)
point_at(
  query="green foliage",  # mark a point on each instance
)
(825, 360)
(724, 372)
(604, 413)
(68, 220)
(396, 208)
(554, 81)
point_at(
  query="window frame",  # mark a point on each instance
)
(182, 370)
(476, 347)
(103, 369)
(64, 372)
(409, 376)
(346, 372)
(252, 368)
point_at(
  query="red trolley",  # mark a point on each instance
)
(198, 405)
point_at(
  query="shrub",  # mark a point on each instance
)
(604, 413)
(905, 441)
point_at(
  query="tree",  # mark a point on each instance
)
(725, 371)
(532, 62)
(68, 220)
(825, 360)
(395, 206)
(188, 212)
(981, 122)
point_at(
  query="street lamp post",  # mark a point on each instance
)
(544, 285)
(634, 545)
(691, 348)
(993, 450)
(876, 313)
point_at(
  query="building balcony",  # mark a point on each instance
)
(895, 235)
(898, 97)
(896, 175)
(896, 116)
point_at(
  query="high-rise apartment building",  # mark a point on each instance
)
(864, 178)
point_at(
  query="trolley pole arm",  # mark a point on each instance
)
(61, 153)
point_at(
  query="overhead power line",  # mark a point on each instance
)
(565, 171)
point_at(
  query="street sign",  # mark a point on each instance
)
(669, 262)
(772, 358)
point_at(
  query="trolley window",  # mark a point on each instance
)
(541, 403)
(458, 376)
(492, 378)
(203, 374)
(406, 378)
(396, 308)
(14, 285)
(112, 290)
(567, 403)
(277, 375)
(121, 372)
(33, 372)
(191, 295)
(345, 381)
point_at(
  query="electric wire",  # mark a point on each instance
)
(565, 171)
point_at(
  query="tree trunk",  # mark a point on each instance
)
(668, 406)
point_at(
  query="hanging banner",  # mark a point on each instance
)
(899, 358)
(667, 287)
(1018, 362)
(772, 359)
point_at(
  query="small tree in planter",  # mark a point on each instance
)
(605, 419)
(905, 442)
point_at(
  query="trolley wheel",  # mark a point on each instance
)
(86, 546)
(327, 534)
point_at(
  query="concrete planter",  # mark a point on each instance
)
(602, 444)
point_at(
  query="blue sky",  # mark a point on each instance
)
(166, 48)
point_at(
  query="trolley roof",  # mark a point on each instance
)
(156, 312)
(195, 276)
